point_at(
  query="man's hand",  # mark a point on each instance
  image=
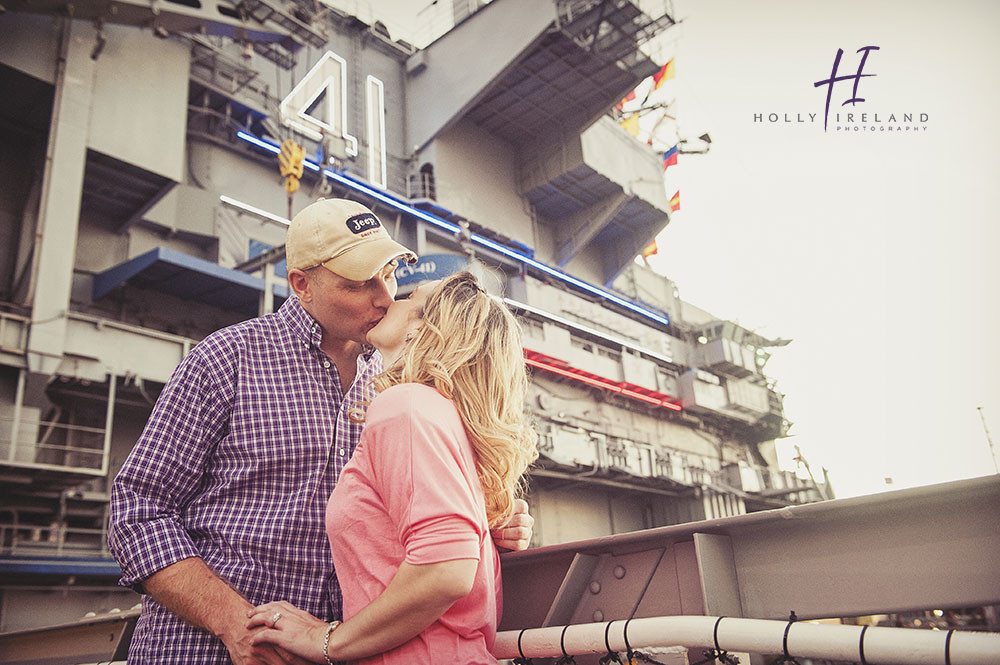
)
(243, 652)
(516, 533)
(239, 643)
(194, 593)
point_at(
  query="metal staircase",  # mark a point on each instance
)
(612, 29)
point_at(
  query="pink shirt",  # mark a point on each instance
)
(411, 493)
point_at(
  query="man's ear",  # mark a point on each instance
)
(299, 282)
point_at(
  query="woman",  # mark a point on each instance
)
(439, 463)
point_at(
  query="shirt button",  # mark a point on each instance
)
(326, 363)
(342, 451)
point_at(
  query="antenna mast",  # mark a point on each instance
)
(988, 438)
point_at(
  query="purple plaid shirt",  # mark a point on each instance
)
(235, 466)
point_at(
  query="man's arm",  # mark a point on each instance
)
(193, 592)
(146, 531)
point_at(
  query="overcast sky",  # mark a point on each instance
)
(875, 251)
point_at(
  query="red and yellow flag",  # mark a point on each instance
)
(650, 249)
(666, 72)
(675, 202)
(627, 98)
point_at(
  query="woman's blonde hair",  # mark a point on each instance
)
(469, 350)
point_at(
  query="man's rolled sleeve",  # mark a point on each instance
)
(165, 470)
(142, 543)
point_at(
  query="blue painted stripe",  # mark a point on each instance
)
(478, 239)
(58, 566)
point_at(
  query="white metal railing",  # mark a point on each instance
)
(421, 186)
(105, 346)
(570, 444)
(58, 540)
(58, 446)
(882, 645)
(565, 444)
(185, 343)
(764, 480)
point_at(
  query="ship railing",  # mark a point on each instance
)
(764, 480)
(421, 186)
(54, 540)
(725, 637)
(52, 445)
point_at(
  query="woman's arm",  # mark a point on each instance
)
(416, 597)
(419, 463)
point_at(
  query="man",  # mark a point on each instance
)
(221, 504)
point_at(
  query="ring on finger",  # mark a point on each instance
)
(274, 618)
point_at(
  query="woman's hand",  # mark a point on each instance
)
(284, 625)
(516, 533)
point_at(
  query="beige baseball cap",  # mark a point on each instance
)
(343, 236)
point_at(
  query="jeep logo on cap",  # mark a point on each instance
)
(362, 223)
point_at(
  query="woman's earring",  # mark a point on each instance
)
(409, 336)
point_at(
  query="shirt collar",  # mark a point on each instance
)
(306, 328)
(300, 322)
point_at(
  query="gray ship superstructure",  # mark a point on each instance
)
(141, 208)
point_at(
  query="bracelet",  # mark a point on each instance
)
(326, 640)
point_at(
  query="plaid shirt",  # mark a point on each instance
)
(235, 466)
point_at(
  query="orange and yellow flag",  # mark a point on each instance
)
(631, 124)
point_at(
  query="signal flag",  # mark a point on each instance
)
(666, 73)
(669, 158)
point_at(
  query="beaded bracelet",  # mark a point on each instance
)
(326, 640)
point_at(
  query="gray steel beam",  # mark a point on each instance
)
(145, 207)
(102, 639)
(720, 586)
(938, 549)
(581, 227)
(914, 549)
(62, 189)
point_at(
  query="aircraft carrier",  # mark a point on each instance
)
(147, 151)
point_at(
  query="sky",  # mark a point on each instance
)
(874, 251)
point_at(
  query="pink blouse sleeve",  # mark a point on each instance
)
(425, 473)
